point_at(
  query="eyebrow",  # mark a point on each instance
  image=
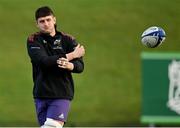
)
(42, 20)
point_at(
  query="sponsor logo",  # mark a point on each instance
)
(57, 47)
(35, 47)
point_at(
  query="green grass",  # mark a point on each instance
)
(108, 93)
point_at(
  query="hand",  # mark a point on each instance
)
(65, 64)
(79, 51)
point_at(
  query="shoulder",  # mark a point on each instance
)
(33, 37)
(69, 40)
(67, 36)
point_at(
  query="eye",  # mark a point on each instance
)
(41, 21)
(48, 20)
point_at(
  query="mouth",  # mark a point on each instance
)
(46, 29)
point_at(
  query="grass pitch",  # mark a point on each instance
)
(108, 93)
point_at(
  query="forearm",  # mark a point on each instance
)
(48, 61)
(39, 57)
(78, 52)
(75, 66)
(78, 65)
(70, 56)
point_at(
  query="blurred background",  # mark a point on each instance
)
(108, 92)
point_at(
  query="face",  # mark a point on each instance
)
(46, 24)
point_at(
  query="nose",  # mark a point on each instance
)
(45, 23)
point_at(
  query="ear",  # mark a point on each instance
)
(54, 19)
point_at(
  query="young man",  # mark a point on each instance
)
(54, 56)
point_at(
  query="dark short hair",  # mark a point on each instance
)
(43, 11)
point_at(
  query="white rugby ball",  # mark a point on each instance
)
(153, 36)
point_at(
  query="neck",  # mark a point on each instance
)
(53, 33)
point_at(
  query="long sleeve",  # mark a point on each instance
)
(40, 57)
(78, 65)
(78, 62)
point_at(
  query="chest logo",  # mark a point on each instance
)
(57, 42)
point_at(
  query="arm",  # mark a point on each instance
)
(73, 60)
(78, 52)
(76, 65)
(39, 56)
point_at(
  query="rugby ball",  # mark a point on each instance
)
(153, 37)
